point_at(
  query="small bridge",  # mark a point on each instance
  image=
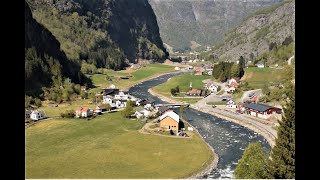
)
(173, 105)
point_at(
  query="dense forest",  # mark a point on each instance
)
(106, 33)
(64, 36)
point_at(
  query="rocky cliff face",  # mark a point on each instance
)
(259, 34)
(129, 26)
(204, 21)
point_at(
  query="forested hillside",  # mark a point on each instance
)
(106, 33)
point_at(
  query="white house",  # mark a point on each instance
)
(231, 104)
(213, 88)
(121, 96)
(260, 65)
(84, 112)
(229, 89)
(177, 68)
(190, 60)
(106, 100)
(232, 81)
(149, 107)
(121, 103)
(37, 115)
(209, 73)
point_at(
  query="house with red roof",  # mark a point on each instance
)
(83, 112)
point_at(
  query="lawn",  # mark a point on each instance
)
(109, 146)
(257, 77)
(183, 81)
(139, 75)
(55, 111)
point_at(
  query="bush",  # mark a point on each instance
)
(68, 114)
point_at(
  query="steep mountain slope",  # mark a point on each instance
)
(103, 32)
(270, 30)
(43, 58)
(202, 21)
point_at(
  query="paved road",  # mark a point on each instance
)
(246, 94)
(266, 128)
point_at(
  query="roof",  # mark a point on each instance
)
(82, 109)
(171, 114)
(259, 107)
(194, 91)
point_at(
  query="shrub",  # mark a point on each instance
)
(68, 114)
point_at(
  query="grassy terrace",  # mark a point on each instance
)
(257, 77)
(183, 81)
(139, 75)
(109, 146)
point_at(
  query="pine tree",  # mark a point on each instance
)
(252, 164)
(282, 163)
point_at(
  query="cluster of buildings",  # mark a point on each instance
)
(202, 68)
(254, 109)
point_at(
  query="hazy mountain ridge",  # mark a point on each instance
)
(205, 21)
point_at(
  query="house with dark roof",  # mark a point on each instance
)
(261, 110)
(110, 91)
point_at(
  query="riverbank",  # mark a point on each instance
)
(213, 164)
(149, 78)
(267, 135)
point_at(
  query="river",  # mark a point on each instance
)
(227, 138)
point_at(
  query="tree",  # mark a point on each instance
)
(177, 89)
(252, 163)
(108, 107)
(242, 62)
(282, 163)
(266, 90)
(173, 91)
(68, 114)
(234, 72)
(128, 111)
(83, 95)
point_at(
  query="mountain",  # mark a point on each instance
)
(268, 34)
(43, 57)
(201, 21)
(106, 33)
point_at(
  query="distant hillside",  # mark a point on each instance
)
(107, 33)
(266, 35)
(202, 21)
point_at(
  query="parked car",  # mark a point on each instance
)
(213, 106)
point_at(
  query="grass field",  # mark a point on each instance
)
(183, 81)
(55, 111)
(257, 77)
(150, 70)
(109, 146)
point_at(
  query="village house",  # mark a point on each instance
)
(261, 110)
(27, 113)
(121, 103)
(37, 115)
(83, 112)
(144, 102)
(110, 91)
(194, 92)
(210, 73)
(208, 67)
(260, 64)
(142, 113)
(198, 73)
(231, 104)
(122, 95)
(199, 68)
(170, 121)
(233, 82)
(101, 107)
(177, 68)
(229, 89)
